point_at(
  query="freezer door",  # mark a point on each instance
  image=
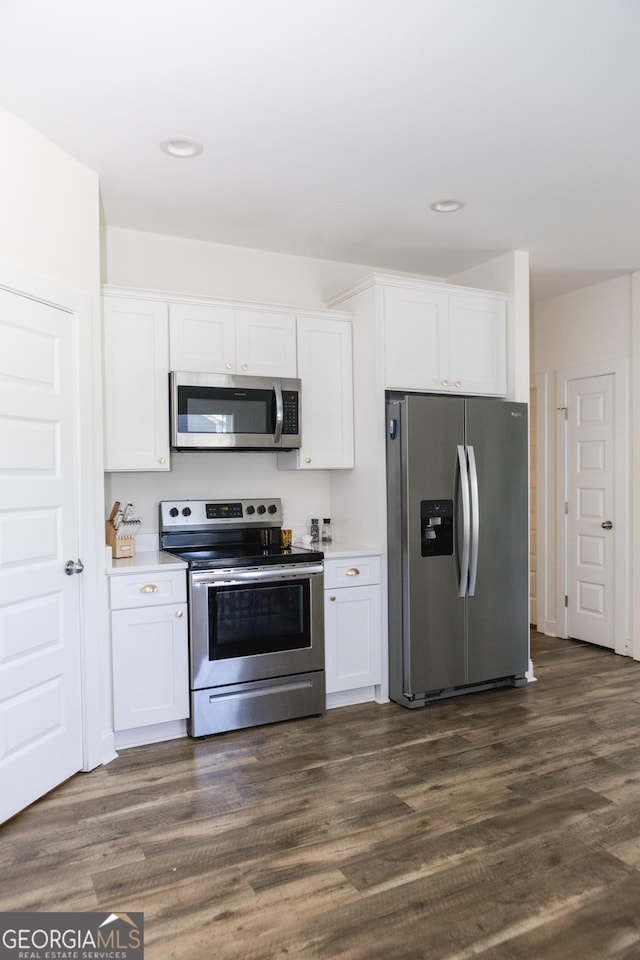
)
(498, 610)
(427, 617)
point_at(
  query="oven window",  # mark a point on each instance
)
(258, 618)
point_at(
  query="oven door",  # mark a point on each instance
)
(255, 623)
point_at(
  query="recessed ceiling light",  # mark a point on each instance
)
(447, 206)
(181, 147)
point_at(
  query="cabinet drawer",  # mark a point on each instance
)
(149, 589)
(351, 572)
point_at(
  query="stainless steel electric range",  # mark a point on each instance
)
(256, 614)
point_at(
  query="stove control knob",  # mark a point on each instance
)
(262, 509)
(273, 508)
(186, 511)
(251, 509)
(174, 512)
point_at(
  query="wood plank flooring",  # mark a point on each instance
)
(502, 825)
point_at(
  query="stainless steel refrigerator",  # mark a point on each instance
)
(457, 489)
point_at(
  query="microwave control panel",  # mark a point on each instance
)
(290, 412)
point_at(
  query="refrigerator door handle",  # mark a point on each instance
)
(466, 522)
(475, 520)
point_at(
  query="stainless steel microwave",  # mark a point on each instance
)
(219, 412)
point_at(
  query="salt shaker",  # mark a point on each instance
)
(315, 530)
(326, 530)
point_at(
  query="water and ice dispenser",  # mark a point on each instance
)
(436, 523)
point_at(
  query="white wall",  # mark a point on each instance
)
(570, 331)
(49, 222)
(576, 328)
(132, 258)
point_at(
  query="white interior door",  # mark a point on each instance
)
(40, 662)
(591, 461)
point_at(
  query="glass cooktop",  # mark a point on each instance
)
(242, 555)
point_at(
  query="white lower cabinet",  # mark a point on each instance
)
(149, 628)
(352, 629)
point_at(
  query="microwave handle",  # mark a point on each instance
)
(279, 412)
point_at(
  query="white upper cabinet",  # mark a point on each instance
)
(478, 343)
(325, 369)
(150, 333)
(444, 339)
(202, 339)
(231, 340)
(136, 386)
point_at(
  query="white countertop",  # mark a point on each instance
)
(146, 561)
(337, 549)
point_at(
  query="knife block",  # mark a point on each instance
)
(120, 546)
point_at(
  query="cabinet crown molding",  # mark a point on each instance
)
(394, 280)
(172, 296)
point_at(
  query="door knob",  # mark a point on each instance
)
(607, 525)
(73, 566)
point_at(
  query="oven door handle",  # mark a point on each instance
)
(288, 572)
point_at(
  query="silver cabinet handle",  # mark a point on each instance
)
(179, 614)
(352, 572)
(607, 525)
(149, 588)
(73, 566)
(333, 599)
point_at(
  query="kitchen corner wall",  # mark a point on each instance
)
(568, 332)
(150, 261)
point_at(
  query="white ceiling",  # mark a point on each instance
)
(329, 126)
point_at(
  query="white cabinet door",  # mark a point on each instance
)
(477, 344)
(265, 344)
(136, 391)
(150, 665)
(226, 339)
(325, 369)
(352, 638)
(202, 339)
(444, 342)
(416, 339)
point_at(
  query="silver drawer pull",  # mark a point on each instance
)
(352, 572)
(149, 588)
(178, 614)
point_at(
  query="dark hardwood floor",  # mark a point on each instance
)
(502, 825)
